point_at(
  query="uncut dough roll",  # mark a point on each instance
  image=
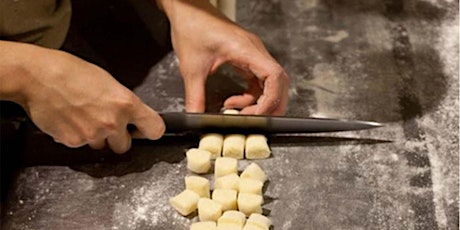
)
(231, 111)
(212, 142)
(257, 147)
(234, 146)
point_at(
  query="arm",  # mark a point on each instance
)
(73, 101)
(203, 39)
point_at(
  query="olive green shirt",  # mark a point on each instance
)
(41, 22)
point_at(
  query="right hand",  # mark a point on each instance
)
(78, 103)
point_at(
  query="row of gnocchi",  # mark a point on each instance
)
(238, 146)
(233, 198)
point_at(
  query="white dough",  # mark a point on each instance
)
(249, 203)
(225, 166)
(209, 210)
(212, 142)
(234, 146)
(231, 111)
(198, 160)
(231, 181)
(257, 147)
(205, 225)
(185, 202)
(228, 226)
(259, 220)
(252, 226)
(254, 171)
(198, 184)
(232, 217)
(226, 197)
(249, 185)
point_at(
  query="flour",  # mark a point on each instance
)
(147, 206)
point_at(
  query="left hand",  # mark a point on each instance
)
(203, 39)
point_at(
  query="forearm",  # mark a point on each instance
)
(181, 9)
(13, 71)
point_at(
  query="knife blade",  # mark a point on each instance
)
(178, 122)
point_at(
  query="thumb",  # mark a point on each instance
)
(195, 93)
(149, 123)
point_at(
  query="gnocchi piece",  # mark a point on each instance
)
(232, 217)
(253, 171)
(185, 202)
(205, 225)
(234, 146)
(212, 142)
(251, 226)
(231, 181)
(231, 111)
(198, 184)
(226, 197)
(209, 210)
(248, 185)
(259, 220)
(257, 147)
(228, 226)
(198, 160)
(249, 203)
(225, 166)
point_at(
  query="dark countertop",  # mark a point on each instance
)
(394, 62)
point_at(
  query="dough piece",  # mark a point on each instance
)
(198, 184)
(249, 203)
(212, 142)
(251, 226)
(231, 181)
(205, 225)
(231, 111)
(226, 197)
(259, 220)
(209, 210)
(228, 226)
(254, 171)
(248, 185)
(185, 202)
(198, 160)
(257, 147)
(225, 166)
(232, 217)
(234, 146)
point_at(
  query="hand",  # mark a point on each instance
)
(78, 103)
(203, 39)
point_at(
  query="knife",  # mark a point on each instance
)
(178, 122)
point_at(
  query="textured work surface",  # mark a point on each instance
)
(389, 61)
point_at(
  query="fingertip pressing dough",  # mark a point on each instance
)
(257, 147)
(234, 146)
(185, 202)
(231, 181)
(199, 185)
(249, 203)
(226, 197)
(225, 166)
(209, 210)
(198, 160)
(205, 225)
(254, 171)
(249, 185)
(259, 220)
(212, 142)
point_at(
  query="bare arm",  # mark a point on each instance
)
(75, 102)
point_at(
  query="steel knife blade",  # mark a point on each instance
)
(179, 122)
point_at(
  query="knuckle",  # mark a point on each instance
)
(73, 141)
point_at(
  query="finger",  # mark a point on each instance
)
(148, 123)
(99, 144)
(249, 97)
(275, 93)
(250, 110)
(120, 142)
(195, 93)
